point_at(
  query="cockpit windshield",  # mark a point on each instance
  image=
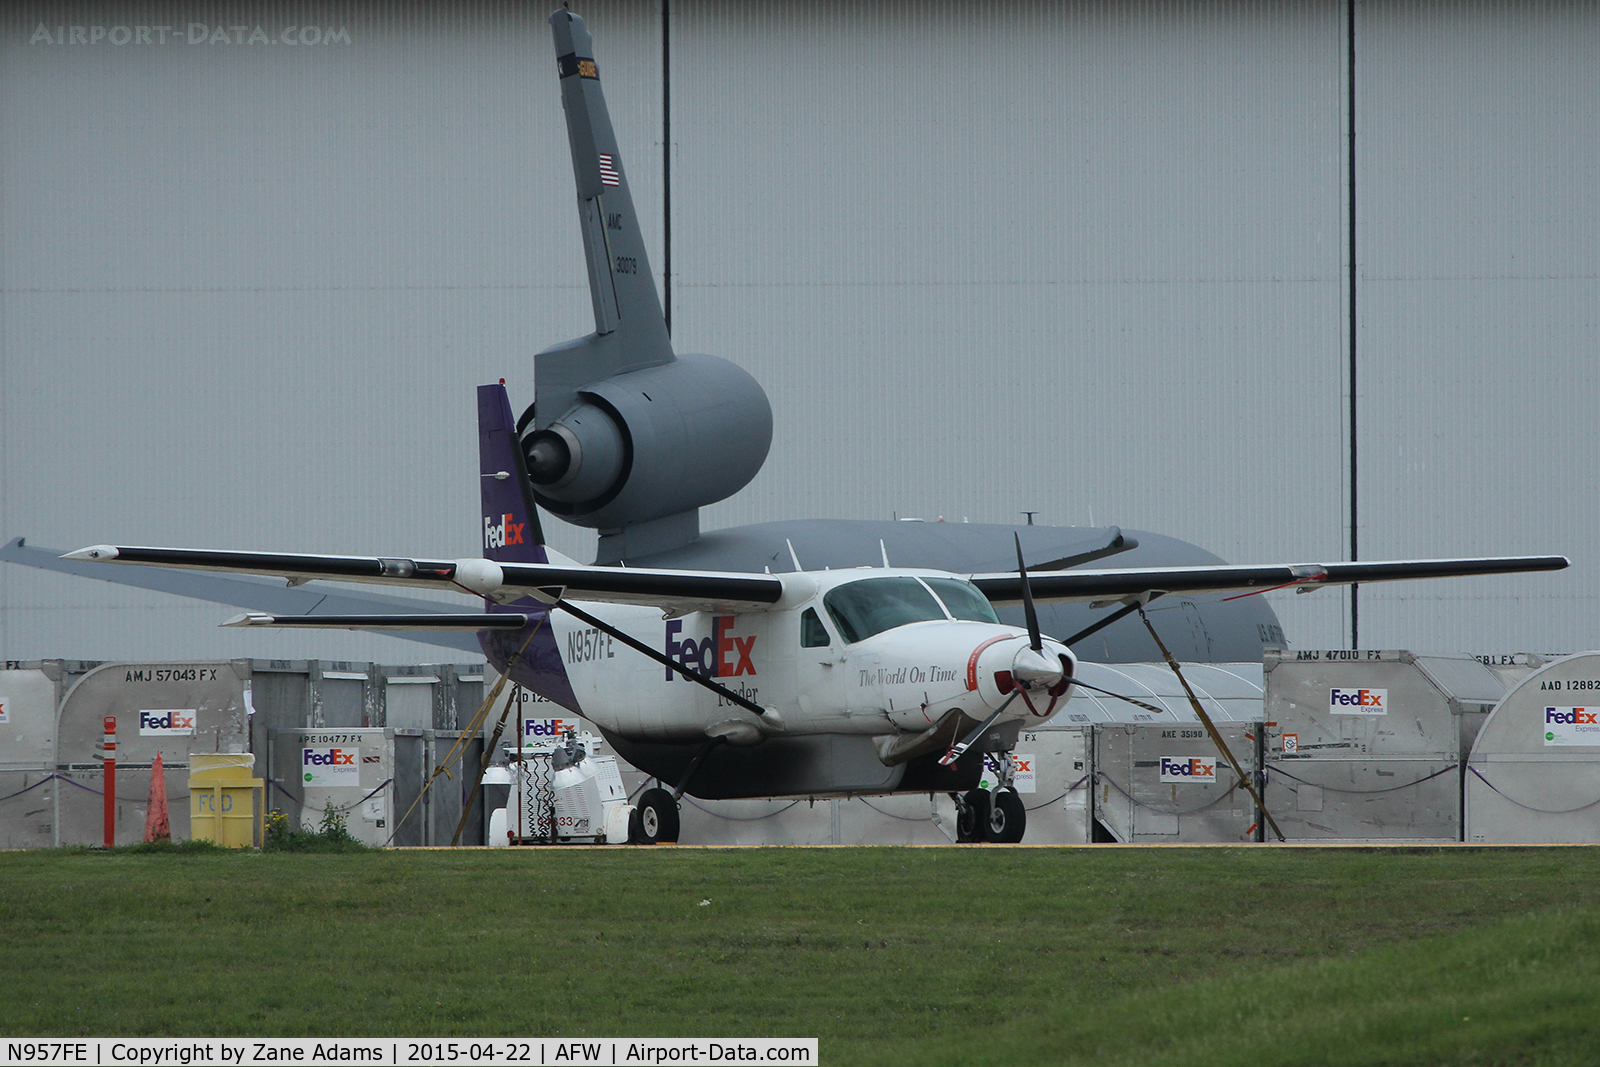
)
(962, 599)
(873, 605)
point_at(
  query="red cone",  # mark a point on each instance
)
(156, 826)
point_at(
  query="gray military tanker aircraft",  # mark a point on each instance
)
(801, 658)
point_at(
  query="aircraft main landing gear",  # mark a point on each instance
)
(972, 815)
(655, 818)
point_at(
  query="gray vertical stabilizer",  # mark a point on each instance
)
(630, 332)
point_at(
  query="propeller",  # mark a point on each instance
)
(1034, 669)
(1031, 670)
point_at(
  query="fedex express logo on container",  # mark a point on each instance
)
(1358, 701)
(503, 533)
(166, 722)
(330, 766)
(539, 730)
(1572, 726)
(1190, 770)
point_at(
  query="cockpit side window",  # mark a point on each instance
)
(874, 605)
(963, 599)
(812, 633)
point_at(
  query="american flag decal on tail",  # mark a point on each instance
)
(608, 171)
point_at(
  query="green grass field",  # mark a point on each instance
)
(888, 955)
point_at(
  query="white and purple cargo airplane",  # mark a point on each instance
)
(869, 680)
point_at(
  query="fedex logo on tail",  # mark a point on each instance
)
(1358, 701)
(1190, 769)
(166, 722)
(503, 533)
(330, 766)
(1572, 726)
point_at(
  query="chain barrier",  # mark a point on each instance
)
(1106, 779)
(1274, 769)
(1530, 807)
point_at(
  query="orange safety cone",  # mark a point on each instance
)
(156, 825)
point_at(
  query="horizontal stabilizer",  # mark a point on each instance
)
(474, 622)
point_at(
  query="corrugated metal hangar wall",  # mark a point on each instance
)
(1091, 260)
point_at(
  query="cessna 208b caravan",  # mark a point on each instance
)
(700, 665)
(838, 682)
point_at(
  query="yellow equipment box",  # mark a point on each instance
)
(225, 803)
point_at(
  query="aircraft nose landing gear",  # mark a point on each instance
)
(1007, 818)
(995, 816)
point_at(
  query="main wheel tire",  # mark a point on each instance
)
(655, 817)
(1007, 818)
(972, 815)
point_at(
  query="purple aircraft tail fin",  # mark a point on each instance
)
(511, 532)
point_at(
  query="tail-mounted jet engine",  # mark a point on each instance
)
(650, 443)
(630, 439)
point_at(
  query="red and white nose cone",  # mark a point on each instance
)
(1037, 669)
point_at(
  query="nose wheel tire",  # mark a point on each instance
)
(1007, 818)
(655, 818)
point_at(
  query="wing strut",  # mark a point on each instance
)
(1211, 728)
(1095, 628)
(1080, 683)
(666, 661)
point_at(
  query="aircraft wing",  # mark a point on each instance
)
(672, 591)
(1243, 580)
(260, 595)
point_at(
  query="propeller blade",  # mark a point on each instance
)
(1118, 696)
(967, 742)
(1035, 642)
